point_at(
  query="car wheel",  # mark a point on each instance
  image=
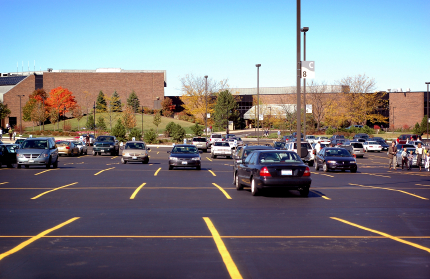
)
(10, 166)
(304, 193)
(55, 165)
(27, 166)
(18, 166)
(254, 189)
(325, 168)
(48, 165)
(238, 185)
(122, 161)
(354, 170)
(198, 168)
(311, 163)
(170, 167)
(215, 156)
(94, 153)
(316, 166)
(146, 161)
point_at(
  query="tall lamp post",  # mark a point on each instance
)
(298, 76)
(270, 117)
(94, 107)
(20, 113)
(258, 102)
(64, 117)
(227, 119)
(206, 102)
(142, 119)
(304, 30)
(427, 109)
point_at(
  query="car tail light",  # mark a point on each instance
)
(355, 156)
(264, 172)
(307, 172)
(67, 147)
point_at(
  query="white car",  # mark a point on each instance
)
(310, 139)
(81, 145)
(215, 138)
(221, 148)
(323, 140)
(292, 146)
(372, 146)
(234, 142)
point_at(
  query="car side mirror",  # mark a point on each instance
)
(168, 151)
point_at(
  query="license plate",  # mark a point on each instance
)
(134, 158)
(102, 150)
(184, 163)
(286, 172)
(31, 161)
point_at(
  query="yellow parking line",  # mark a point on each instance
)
(383, 234)
(321, 195)
(228, 261)
(155, 174)
(158, 152)
(43, 171)
(223, 191)
(113, 157)
(326, 174)
(4, 169)
(34, 238)
(212, 172)
(136, 191)
(208, 159)
(389, 189)
(38, 196)
(376, 174)
(3, 183)
(69, 163)
(415, 184)
(104, 170)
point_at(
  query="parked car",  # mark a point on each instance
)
(309, 158)
(401, 146)
(414, 160)
(106, 144)
(228, 136)
(83, 149)
(19, 141)
(357, 149)
(416, 142)
(338, 141)
(8, 154)
(234, 142)
(355, 126)
(334, 137)
(135, 151)
(333, 158)
(287, 138)
(38, 151)
(92, 139)
(279, 145)
(67, 148)
(185, 155)
(361, 136)
(323, 140)
(215, 138)
(403, 139)
(264, 169)
(221, 148)
(244, 152)
(372, 146)
(381, 142)
(311, 139)
(201, 143)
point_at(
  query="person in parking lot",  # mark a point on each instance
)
(392, 150)
(279, 134)
(420, 152)
(427, 159)
(405, 158)
(318, 147)
(410, 159)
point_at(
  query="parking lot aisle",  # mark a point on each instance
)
(34, 238)
(228, 261)
(383, 234)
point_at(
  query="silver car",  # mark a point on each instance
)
(358, 149)
(408, 150)
(83, 149)
(135, 151)
(37, 151)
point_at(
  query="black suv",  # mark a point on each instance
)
(243, 153)
(106, 144)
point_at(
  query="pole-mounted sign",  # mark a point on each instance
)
(308, 69)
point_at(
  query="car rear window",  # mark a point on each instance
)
(304, 144)
(357, 145)
(216, 136)
(222, 144)
(279, 157)
(199, 139)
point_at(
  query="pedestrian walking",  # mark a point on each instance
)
(10, 133)
(405, 158)
(410, 159)
(392, 150)
(427, 159)
(14, 135)
(1, 133)
(279, 134)
(420, 153)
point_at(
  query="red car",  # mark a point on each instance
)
(402, 139)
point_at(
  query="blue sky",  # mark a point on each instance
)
(386, 40)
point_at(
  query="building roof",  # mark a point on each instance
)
(270, 109)
(14, 80)
(287, 90)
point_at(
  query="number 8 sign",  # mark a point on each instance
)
(308, 69)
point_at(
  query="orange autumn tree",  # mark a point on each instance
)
(60, 98)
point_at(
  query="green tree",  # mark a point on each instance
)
(54, 116)
(157, 119)
(169, 128)
(119, 130)
(178, 133)
(101, 125)
(417, 129)
(423, 126)
(101, 102)
(90, 123)
(197, 130)
(226, 109)
(150, 136)
(133, 101)
(27, 110)
(135, 133)
(115, 102)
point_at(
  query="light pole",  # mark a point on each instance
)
(270, 117)
(44, 112)
(298, 76)
(227, 119)
(64, 116)
(304, 30)
(142, 119)
(20, 113)
(258, 102)
(427, 110)
(206, 101)
(94, 107)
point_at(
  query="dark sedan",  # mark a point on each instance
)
(106, 144)
(185, 155)
(278, 145)
(332, 158)
(8, 154)
(264, 169)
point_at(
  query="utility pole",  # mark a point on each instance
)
(298, 68)
(206, 101)
(258, 103)
(20, 113)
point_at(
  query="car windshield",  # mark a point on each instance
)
(185, 149)
(279, 157)
(222, 144)
(134, 145)
(11, 148)
(78, 142)
(35, 144)
(19, 141)
(104, 138)
(279, 144)
(408, 150)
(337, 153)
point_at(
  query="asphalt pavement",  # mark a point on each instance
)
(94, 217)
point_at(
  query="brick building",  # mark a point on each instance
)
(406, 108)
(148, 85)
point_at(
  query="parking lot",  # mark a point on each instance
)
(95, 217)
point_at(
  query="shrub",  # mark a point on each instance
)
(169, 128)
(67, 126)
(135, 133)
(178, 133)
(330, 131)
(119, 131)
(150, 136)
(197, 130)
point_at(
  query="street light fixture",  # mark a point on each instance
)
(20, 113)
(427, 109)
(304, 30)
(258, 102)
(206, 101)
